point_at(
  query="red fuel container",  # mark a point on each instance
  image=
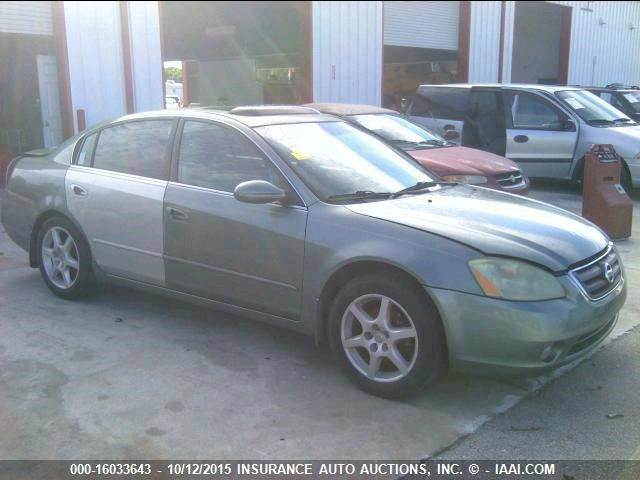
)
(604, 201)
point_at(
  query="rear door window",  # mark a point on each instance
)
(137, 148)
(86, 151)
(444, 103)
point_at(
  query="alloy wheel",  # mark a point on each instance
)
(379, 338)
(60, 257)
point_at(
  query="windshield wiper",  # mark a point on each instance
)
(601, 121)
(622, 120)
(420, 186)
(359, 195)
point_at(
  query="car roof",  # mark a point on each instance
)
(346, 109)
(529, 86)
(249, 116)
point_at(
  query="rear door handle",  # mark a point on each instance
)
(78, 190)
(520, 139)
(176, 214)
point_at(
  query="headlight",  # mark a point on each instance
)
(470, 179)
(514, 280)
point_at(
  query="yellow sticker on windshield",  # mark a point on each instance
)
(299, 155)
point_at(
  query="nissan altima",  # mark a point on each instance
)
(290, 216)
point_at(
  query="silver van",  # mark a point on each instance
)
(546, 129)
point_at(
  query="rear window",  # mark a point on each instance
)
(137, 148)
(441, 102)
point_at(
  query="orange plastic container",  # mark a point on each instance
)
(604, 201)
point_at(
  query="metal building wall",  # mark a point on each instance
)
(599, 54)
(604, 46)
(484, 43)
(146, 55)
(96, 70)
(347, 51)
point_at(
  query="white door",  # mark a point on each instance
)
(49, 100)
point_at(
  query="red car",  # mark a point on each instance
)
(452, 163)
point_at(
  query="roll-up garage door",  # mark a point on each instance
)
(431, 25)
(26, 17)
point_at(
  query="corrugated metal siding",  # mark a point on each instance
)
(144, 33)
(347, 52)
(422, 24)
(604, 54)
(26, 17)
(484, 47)
(507, 58)
(96, 68)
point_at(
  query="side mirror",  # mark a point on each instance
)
(451, 135)
(569, 125)
(258, 191)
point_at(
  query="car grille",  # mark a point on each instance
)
(591, 275)
(509, 179)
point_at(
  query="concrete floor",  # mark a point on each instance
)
(127, 375)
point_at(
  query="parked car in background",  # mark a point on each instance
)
(625, 99)
(447, 160)
(306, 221)
(547, 130)
(172, 103)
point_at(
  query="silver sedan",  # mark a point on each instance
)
(300, 219)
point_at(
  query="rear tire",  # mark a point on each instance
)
(64, 259)
(625, 178)
(390, 352)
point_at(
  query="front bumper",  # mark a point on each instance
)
(491, 336)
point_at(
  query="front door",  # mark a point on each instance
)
(540, 136)
(222, 249)
(116, 190)
(49, 100)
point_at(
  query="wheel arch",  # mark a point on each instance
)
(578, 170)
(351, 270)
(40, 220)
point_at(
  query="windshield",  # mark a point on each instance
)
(592, 109)
(397, 129)
(335, 158)
(633, 99)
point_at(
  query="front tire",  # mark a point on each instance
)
(64, 259)
(625, 179)
(387, 335)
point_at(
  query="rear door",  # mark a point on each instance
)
(115, 191)
(442, 110)
(222, 249)
(539, 135)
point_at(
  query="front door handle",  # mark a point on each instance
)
(521, 139)
(78, 190)
(176, 214)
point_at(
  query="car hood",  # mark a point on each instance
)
(626, 140)
(462, 161)
(495, 223)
